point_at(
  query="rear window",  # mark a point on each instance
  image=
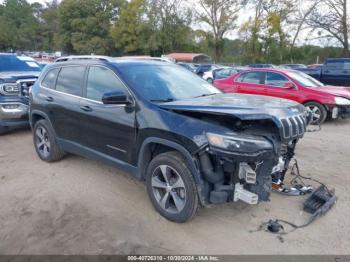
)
(50, 78)
(251, 77)
(70, 80)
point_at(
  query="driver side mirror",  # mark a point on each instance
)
(116, 98)
(289, 85)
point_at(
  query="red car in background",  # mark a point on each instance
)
(323, 101)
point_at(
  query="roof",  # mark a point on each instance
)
(186, 57)
(276, 70)
(84, 57)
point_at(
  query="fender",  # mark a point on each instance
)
(43, 115)
(189, 158)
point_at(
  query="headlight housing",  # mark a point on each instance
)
(9, 89)
(341, 101)
(241, 144)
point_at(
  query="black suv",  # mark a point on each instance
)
(192, 144)
(17, 75)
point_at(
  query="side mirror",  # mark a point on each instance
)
(116, 98)
(289, 85)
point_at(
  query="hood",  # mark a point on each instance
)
(334, 90)
(242, 106)
(13, 76)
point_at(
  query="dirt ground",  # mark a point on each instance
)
(79, 206)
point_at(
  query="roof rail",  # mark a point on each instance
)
(84, 57)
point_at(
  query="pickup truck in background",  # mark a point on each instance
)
(334, 71)
(17, 75)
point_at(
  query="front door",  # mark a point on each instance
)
(108, 129)
(275, 86)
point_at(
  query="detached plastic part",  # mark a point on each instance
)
(245, 195)
(320, 201)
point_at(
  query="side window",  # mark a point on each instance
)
(49, 80)
(100, 81)
(275, 79)
(250, 77)
(70, 80)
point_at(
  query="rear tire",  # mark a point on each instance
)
(319, 112)
(210, 80)
(45, 142)
(171, 187)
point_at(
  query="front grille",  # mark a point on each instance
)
(293, 126)
(24, 85)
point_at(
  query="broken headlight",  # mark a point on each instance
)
(241, 144)
(341, 101)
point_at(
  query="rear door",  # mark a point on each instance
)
(274, 86)
(108, 129)
(62, 102)
(251, 82)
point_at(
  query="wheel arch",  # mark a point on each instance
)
(145, 155)
(315, 101)
(157, 145)
(37, 115)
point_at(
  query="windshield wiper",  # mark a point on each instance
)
(163, 100)
(211, 94)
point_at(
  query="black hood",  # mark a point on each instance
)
(242, 106)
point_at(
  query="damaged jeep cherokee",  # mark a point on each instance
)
(192, 144)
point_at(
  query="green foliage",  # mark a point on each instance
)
(128, 32)
(18, 25)
(85, 24)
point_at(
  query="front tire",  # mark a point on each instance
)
(45, 142)
(319, 112)
(210, 80)
(171, 187)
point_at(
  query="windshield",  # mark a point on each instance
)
(17, 63)
(304, 79)
(162, 83)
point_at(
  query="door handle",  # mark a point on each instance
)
(49, 99)
(86, 108)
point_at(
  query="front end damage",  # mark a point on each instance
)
(244, 166)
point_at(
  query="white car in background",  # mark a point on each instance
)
(208, 76)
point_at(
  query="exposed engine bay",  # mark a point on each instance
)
(254, 162)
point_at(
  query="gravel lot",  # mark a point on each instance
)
(79, 206)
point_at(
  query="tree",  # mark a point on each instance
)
(331, 17)
(220, 16)
(85, 25)
(18, 26)
(170, 22)
(50, 26)
(129, 30)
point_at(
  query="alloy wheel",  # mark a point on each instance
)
(316, 114)
(168, 189)
(42, 141)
